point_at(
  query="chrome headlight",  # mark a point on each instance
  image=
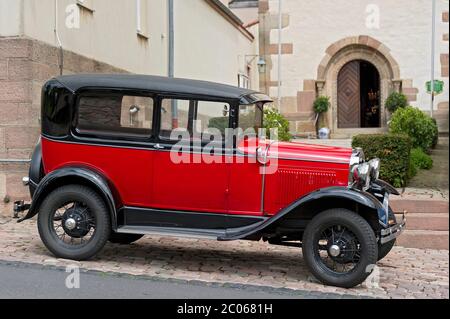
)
(375, 165)
(357, 157)
(360, 176)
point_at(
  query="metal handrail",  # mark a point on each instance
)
(14, 160)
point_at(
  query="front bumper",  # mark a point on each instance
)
(393, 232)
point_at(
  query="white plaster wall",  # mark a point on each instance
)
(208, 47)
(405, 27)
(109, 34)
(246, 14)
(10, 16)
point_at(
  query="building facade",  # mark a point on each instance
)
(356, 53)
(40, 39)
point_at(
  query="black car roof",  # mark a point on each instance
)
(156, 84)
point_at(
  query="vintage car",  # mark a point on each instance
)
(107, 167)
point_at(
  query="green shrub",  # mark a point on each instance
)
(273, 119)
(321, 104)
(412, 171)
(420, 159)
(394, 152)
(416, 124)
(395, 101)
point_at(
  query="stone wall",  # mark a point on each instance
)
(315, 33)
(25, 65)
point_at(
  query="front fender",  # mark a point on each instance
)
(360, 197)
(69, 175)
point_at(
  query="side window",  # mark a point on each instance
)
(195, 118)
(118, 116)
(251, 117)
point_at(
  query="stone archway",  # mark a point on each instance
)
(339, 54)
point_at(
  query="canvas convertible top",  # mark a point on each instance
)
(161, 84)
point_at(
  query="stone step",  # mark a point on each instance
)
(419, 206)
(424, 239)
(443, 106)
(442, 120)
(426, 221)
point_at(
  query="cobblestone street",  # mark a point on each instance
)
(405, 273)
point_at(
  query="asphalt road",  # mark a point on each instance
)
(29, 281)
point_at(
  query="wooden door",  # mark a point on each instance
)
(349, 102)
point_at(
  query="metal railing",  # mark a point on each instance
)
(14, 161)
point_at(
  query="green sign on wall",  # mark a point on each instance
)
(438, 87)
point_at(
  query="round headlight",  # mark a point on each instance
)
(375, 168)
(361, 175)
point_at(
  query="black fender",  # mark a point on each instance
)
(363, 198)
(36, 171)
(73, 175)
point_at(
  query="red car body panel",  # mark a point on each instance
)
(301, 169)
(231, 185)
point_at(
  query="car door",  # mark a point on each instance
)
(185, 178)
(246, 184)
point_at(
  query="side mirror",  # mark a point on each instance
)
(262, 155)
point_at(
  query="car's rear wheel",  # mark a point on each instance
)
(385, 249)
(74, 222)
(340, 248)
(124, 239)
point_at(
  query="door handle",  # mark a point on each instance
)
(158, 147)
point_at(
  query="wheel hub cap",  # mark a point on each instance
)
(70, 224)
(335, 250)
(75, 222)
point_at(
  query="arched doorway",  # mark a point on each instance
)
(358, 95)
(338, 55)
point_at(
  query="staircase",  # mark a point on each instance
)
(427, 225)
(441, 116)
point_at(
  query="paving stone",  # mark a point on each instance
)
(405, 273)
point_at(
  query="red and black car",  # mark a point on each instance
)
(108, 168)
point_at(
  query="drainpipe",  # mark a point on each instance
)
(433, 45)
(58, 40)
(171, 39)
(280, 25)
(171, 66)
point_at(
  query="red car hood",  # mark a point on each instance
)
(298, 151)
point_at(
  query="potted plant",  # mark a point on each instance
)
(321, 105)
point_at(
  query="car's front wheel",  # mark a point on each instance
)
(74, 222)
(340, 248)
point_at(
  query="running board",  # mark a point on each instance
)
(173, 232)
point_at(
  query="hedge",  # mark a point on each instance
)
(394, 152)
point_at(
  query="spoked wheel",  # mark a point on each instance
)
(73, 222)
(338, 247)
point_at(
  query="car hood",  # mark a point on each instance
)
(297, 151)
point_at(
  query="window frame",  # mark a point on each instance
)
(112, 137)
(157, 133)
